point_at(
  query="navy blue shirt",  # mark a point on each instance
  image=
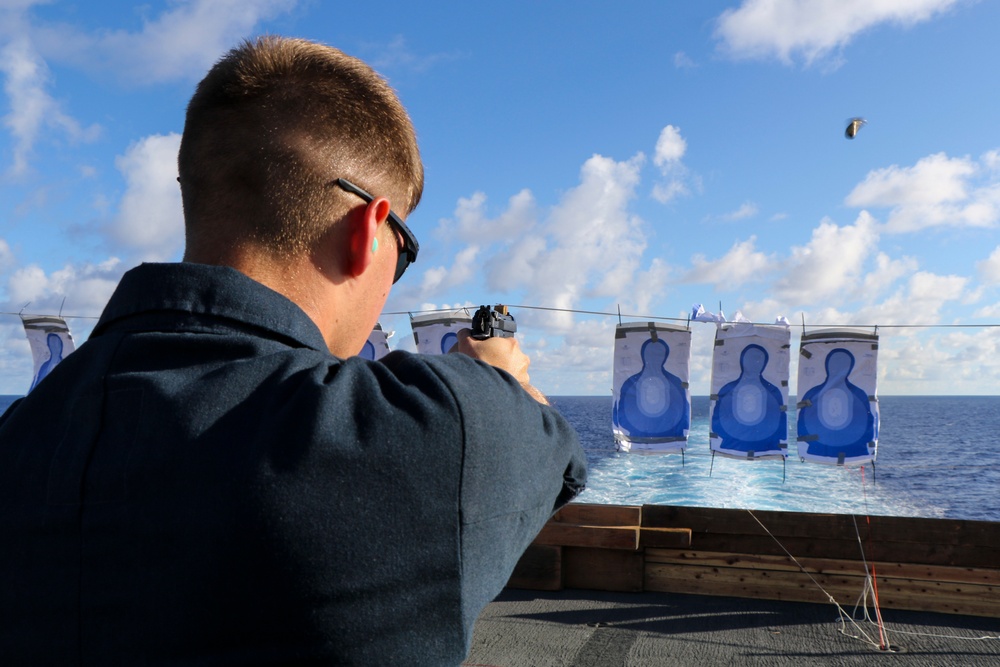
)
(202, 482)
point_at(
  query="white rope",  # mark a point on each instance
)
(642, 317)
(871, 585)
(868, 591)
(843, 614)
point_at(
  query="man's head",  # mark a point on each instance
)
(268, 132)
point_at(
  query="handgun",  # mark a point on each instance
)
(493, 322)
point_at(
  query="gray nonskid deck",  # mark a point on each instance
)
(588, 628)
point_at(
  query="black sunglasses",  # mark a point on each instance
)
(408, 253)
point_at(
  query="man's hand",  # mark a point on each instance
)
(502, 353)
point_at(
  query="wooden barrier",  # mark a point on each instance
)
(919, 564)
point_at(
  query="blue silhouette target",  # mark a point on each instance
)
(377, 345)
(55, 346)
(437, 333)
(448, 341)
(50, 342)
(653, 402)
(750, 415)
(652, 407)
(749, 404)
(838, 410)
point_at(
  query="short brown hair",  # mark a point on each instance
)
(269, 128)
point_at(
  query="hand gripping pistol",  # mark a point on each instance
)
(493, 322)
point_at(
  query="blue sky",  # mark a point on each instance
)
(641, 156)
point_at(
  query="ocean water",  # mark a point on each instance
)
(937, 457)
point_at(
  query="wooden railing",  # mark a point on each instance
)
(938, 565)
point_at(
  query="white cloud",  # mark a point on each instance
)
(973, 295)
(670, 148)
(6, 256)
(928, 291)
(182, 42)
(934, 179)
(989, 268)
(919, 300)
(80, 292)
(596, 242)
(746, 210)
(683, 61)
(905, 355)
(912, 363)
(588, 244)
(150, 219)
(32, 109)
(472, 225)
(953, 363)
(990, 312)
(812, 29)
(587, 349)
(650, 287)
(664, 192)
(462, 270)
(830, 265)
(765, 311)
(887, 272)
(86, 288)
(515, 266)
(741, 264)
(396, 54)
(991, 160)
(936, 191)
(26, 284)
(15, 358)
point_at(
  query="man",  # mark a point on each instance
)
(213, 478)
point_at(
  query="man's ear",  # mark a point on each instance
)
(363, 243)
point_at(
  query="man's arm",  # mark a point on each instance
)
(521, 461)
(502, 353)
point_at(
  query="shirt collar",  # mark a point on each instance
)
(202, 289)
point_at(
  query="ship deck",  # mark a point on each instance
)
(582, 628)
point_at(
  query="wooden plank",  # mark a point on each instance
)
(735, 576)
(826, 526)
(970, 600)
(766, 545)
(969, 575)
(603, 569)
(664, 537)
(604, 537)
(740, 522)
(599, 515)
(987, 577)
(956, 532)
(539, 568)
(750, 584)
(931, 553)
(913, 552)
(845, 589)
(747, 561)
(939, 590)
